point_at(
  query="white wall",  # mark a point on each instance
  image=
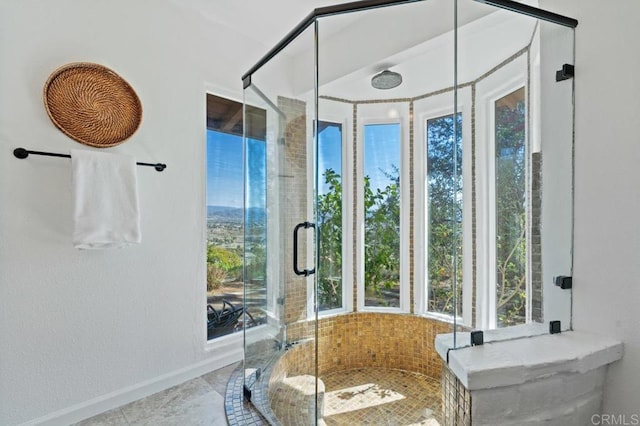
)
(607, 172)
(81, 331)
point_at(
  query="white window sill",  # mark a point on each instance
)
(442, 317)
(331, 313)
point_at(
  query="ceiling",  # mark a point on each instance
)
(268, 21)
(264, 21)
(226, 116)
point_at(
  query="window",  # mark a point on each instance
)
(476, 204)
(224, 198)
(511, 209)
(330, 216)
(444, 214)
(381, 192)
(477, 256)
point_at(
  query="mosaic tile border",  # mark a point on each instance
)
(368, 339)
(238, 411)
(456, 400)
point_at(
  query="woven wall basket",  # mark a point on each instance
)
(92, 104)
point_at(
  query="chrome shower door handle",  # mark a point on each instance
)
(304, 272)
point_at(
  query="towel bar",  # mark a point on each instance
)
(22, 153)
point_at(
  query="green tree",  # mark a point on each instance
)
(382, 237)
(382, 234)
(511, 256)
(220, 264)
(329, 211)
(382, 222)
(444, 207)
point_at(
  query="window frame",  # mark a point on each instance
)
(499, 84)
(433, 107)
(337, 116)
(376, 114)
(230, 339)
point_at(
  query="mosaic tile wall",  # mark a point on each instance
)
(287, 402)
(348, 342)
(296, 361)
(536, 237)
(456, 400)
(293, 203)
(360, 339)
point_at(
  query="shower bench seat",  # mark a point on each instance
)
(553, 378)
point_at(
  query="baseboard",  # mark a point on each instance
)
(223, 355)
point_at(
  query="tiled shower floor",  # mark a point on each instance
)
(369, 396)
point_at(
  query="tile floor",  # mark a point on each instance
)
(353, 397)
(368, 396)
(197, 402)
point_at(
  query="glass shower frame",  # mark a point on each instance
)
(287, 291)
(295, 239)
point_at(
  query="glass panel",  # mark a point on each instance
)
(385, 262)
(380, 129)
(511, 208)
(444, 214)
(255, 230)
(279, 199)
(400, 200)
(551, 105)
(522, 142)
(382, 215)
(225, 242)
(224, 228)
(329, 213)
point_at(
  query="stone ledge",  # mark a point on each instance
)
(517, 361)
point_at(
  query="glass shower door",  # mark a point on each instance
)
(280, 239)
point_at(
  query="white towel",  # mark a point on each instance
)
(106, 211)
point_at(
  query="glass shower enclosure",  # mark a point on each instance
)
(280, 264)
(417, 160)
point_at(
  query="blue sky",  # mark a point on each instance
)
(381, 152)
(329, 153)
(224, 170)
(224, 162)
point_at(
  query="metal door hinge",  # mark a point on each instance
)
(568, 71)
(564, 282)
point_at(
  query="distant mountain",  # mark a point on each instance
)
(234, 214)
(224, 212)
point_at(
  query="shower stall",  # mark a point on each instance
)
(408, 173)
